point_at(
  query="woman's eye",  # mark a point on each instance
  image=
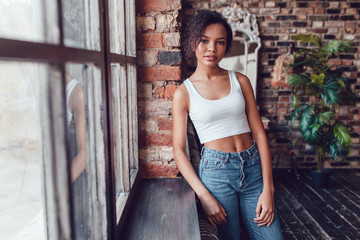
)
(203, 41)
(222, 43)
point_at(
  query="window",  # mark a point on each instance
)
(69, 153)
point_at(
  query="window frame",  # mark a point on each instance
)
(56, 171)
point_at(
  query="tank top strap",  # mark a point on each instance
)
(70, 87)
(191, 89)
(234, 81)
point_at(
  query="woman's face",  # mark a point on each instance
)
(211, 46)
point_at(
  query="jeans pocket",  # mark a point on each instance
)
(211, 164)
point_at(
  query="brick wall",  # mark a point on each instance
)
(279, 22)
(159, 59)
(159, 72)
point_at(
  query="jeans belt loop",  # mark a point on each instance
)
(248, 151)
(202, 151)
(227, 157)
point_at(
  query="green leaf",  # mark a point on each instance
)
(298, 111)
(306, 121)
(317, 80)
(298, 139)
(309, 38)
(332, 47)
(342, 82)
(315, 132)
(341, 133)
(298, 80)
(338, 150)
(335, 149)
(330, 92)
(336, 46)
(326, 117)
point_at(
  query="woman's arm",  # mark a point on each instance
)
(212, 208)
(77, 107)
(266, 199)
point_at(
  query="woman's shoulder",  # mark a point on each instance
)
(181, 97)
(181, 92)
(240, 76)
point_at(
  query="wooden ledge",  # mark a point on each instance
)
(162, 209)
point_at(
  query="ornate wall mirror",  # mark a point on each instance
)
(243, 55)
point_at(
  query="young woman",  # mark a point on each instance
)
(235, 172)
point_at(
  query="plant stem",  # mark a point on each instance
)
(320, 159)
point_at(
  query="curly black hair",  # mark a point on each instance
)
(196, 28)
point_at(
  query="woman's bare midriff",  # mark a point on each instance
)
(236, 143)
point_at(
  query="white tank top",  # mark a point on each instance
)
(215, 119)
(69, 88)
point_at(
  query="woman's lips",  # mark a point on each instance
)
(210, 58)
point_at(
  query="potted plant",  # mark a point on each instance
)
(319, 91)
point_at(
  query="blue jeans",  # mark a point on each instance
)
(235, 180)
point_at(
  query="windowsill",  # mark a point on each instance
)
(162, 208)
(124, 196)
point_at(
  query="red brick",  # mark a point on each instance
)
(171, 39)
(302, 11)
(150, 40)
(158, 170)
(354, 74)
(334, 62)
(146, 58)
(282, 111)
(319, 11)
(156, 139)
(157, 107)
(145, 23)
(318, 30)
(283, 105)
(334, 5)
(347, 62)
(167, 91)
(165, 124)
(145, 6)
(312, 4)
(159, 73)
(340, 24)
(284, 99)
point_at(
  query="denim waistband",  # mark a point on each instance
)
(226, 155)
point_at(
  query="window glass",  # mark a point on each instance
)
(52, 128)
(29, 20)
(86, 149)
(133, 120)
(81, 24)
(130, 28)
(21, 198)
(121, 133)
(117, 26)
(76, 119)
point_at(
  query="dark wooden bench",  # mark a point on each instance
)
(162, 209)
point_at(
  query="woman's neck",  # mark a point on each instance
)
(204, 72)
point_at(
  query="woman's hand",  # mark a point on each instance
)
(265, 209)
(213, 210)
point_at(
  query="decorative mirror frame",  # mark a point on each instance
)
(240, 20)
